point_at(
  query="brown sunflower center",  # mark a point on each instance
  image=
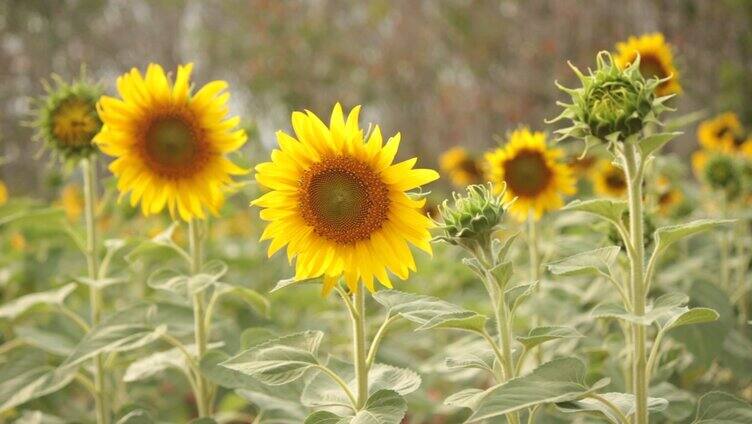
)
(343, 199)
(527, 174)
(615, 180)
(652, 67)
(470, 167)
(74, 123)
(172, 146)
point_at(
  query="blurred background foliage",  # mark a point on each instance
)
(442, 72)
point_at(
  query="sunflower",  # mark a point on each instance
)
(170, 144)
(71, 200)
(461, 167)
(724, 133)
(3, 193)
(534, 174)
(66, 117)
(339, 204)
(609, 179)
(656, 60)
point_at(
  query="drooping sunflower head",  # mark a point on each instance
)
(613, 103)
(65, 118)
(462, 168)
(340, 204)
(170, 144)
(656, 60)
(609, 179)
(533, 174)
(722, 133)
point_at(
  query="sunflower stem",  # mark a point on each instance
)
(199, 325)
(359, 345)
(634, 171)
(534, 259)
(89, 171)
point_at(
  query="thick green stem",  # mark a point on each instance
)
(637, 282)
(359, 345)
(199, 325)
(89, 170)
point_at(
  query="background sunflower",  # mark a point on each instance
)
(461, 167)
(533, 173)
(656, 60)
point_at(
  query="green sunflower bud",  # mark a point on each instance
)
(612, 104)
(724, 174)
(66, 118)
(471, 221)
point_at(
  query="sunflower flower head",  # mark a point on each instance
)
(527, 171)
(65, 117)
(609, 179)
(461, 167)
(3, 193)
(656, 60)
(612, 104)
(473, 218)
(170, 144)
(723, 173)
(723, 133)
(339, 203)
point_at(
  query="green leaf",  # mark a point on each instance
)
(32, 384)
(52, 341)
(279, 361)
(624, 401)
(665, 236)
(137, 416)
(597, 261)
(662, 307)
(277, 404)
(38, 417)
(430, 312)
(722, 408)
(517, 295)
(251, 297)
(155, 363)
(680, 402)
(292, 281)
(560, 380)
(540, 335)
(382, 407)
(480, 357)
(691, 316)
(323, 391)
(654, 142)
(611, 210)
(467, 398)
(222, 376)
(18, 307)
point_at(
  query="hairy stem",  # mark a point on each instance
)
(359, 345)
(637, 283)
(202, 385)
(89, 170)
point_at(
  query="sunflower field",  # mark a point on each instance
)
(378, 212)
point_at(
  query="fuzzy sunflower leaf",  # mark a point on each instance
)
(654, 142)
(158, 362)
(382, 407)
(322, 391)
(278, 361)
(611, 210)
(722, 408)
(479, 358)
(18, 307)
(31, 384)
(540, 335)
(137, 416)
(691, 316)
(430, 312)
(251, 297)
(467, 398)
(665, 236)
(281, 284)
(560, 380)
(518, 294)
(663, 306)
(597, 261)
(112, 337)
(624, 401)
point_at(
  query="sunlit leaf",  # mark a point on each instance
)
(430, 312)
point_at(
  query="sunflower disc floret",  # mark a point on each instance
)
(613, 103)
(66, 119)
